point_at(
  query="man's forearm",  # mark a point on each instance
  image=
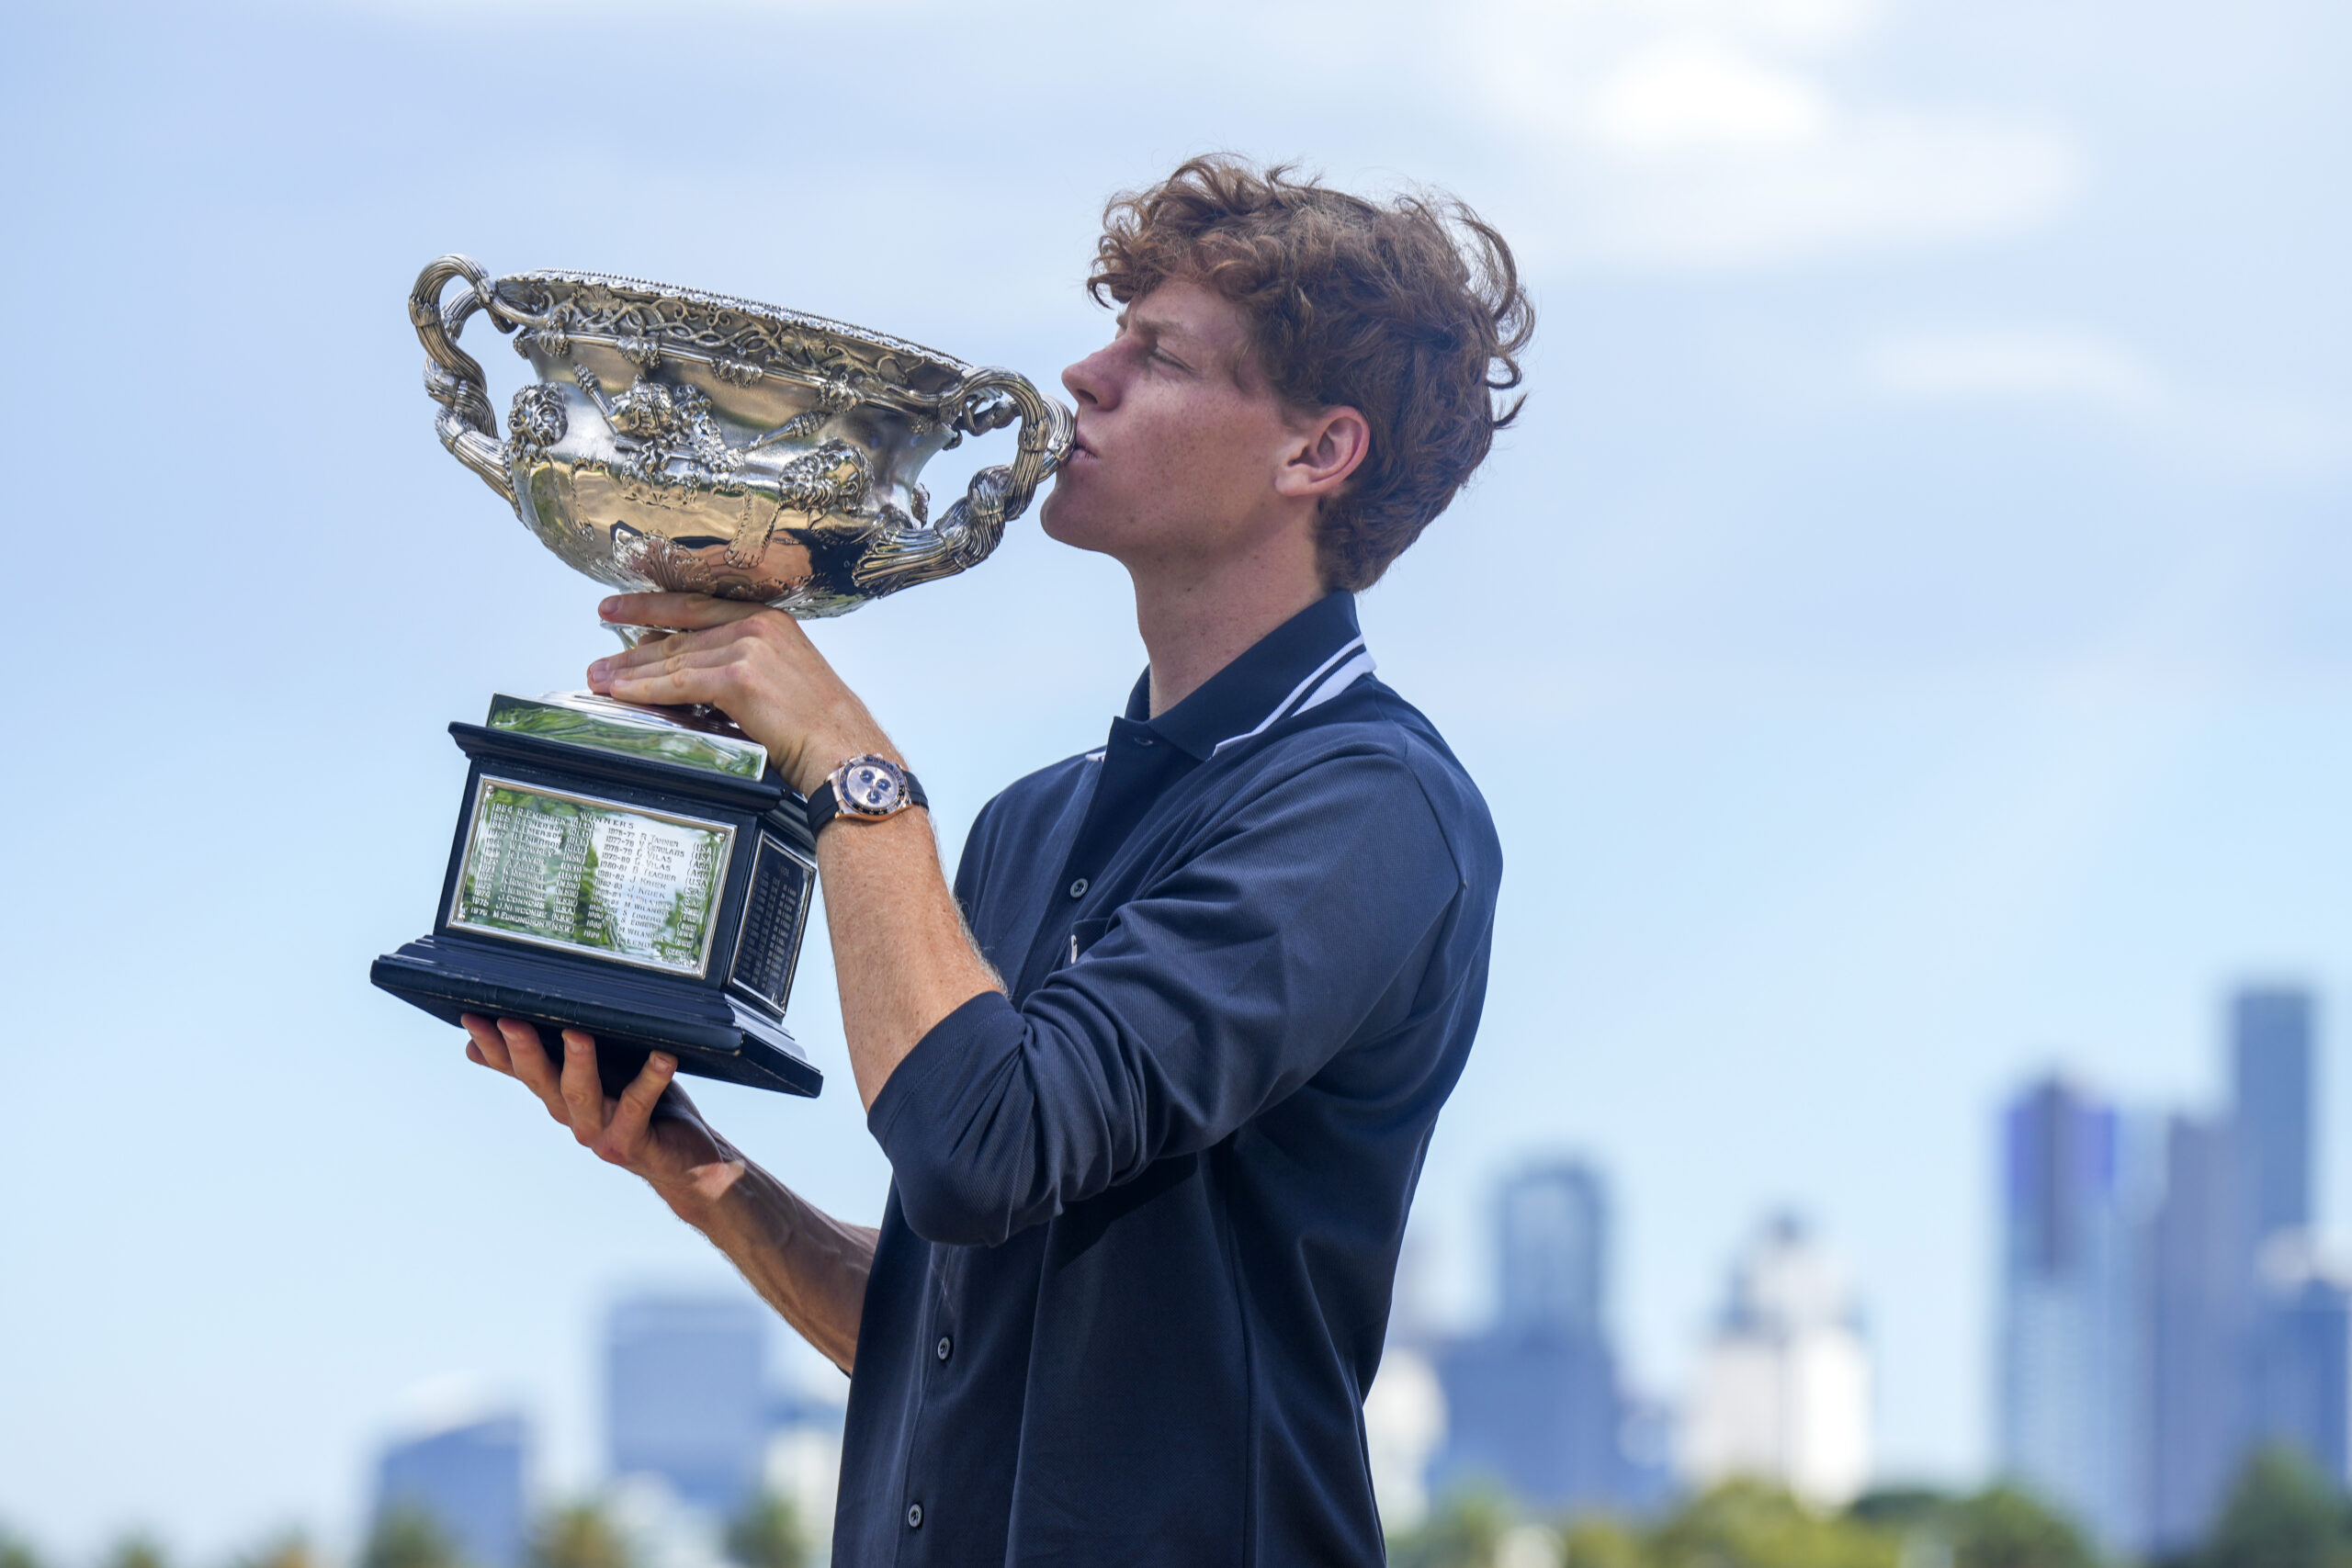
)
(901, 953)
(806, 1264)
(810, 1266)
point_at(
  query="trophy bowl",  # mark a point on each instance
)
(683, 441)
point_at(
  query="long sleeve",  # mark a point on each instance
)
(1213, 993)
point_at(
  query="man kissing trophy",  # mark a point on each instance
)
(1156, 1072)
(643, 873)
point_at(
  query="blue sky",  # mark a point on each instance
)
(1904, 644)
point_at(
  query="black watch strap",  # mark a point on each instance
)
(823, 808)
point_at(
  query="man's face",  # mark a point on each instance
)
(1178, 438)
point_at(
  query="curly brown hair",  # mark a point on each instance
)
(1410, 314)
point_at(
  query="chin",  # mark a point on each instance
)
(1063, 518)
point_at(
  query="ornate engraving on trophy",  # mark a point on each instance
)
(685, 441)
(570, 871)
(774, 918)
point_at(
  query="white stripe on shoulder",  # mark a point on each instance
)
(1338, 680)
(1096, 755)
(1305, 695)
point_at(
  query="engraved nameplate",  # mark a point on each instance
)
(775, 911)
(591, 876)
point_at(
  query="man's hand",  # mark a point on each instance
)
(754, 664)
(810, 1266)
(900, 951)
(652, 1129)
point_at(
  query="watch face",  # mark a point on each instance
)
(869, 788)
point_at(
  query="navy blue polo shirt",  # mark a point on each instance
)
(1133, 1274)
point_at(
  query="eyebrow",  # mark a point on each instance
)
(1157, 327)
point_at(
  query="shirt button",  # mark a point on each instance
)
(1078, 888)
(914, 1516)
(947, 1347)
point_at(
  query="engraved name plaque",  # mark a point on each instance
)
(570, 871)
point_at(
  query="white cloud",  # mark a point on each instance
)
(1700, 95)
(2028, 365)
(1721, 134)
(2058, 367)
(1865, 183)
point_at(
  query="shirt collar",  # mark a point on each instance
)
(1306, 662)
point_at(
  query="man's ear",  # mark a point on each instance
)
(1327, 449)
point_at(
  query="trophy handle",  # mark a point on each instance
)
(452, 377)
(997, 495)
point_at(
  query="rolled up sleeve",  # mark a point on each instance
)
(1216, 991)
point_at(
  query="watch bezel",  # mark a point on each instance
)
(846, 806)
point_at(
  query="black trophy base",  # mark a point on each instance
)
(560, 850)
(712, 1035)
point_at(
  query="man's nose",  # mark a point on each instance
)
(1090, 381)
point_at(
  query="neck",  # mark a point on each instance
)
(1196, 618)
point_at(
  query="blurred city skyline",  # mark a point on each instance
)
(1904, 641)
(2137, 1370)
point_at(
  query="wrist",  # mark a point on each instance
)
(818, 758)
(698, 1195)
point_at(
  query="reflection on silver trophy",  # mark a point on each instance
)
(640, 873)
(687, 440)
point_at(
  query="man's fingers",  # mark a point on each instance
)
(714, 683)
(633, 1112)
(485, 1044)
(528, 1061)
(657, 651)
(583, 1091)
(679, 612)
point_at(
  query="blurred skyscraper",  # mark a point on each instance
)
(2297, 1352)
(468, 1477)
(803, 1460)
(2270, 1102)
(2202, 1320)
(2070, 1382)
(1536, 1402)
(2196, 1303)
(1403, 1426)
(2248, 1317)
(2294, 1349)
(1784, 1391)
(1551, 1239)
(686, 1395)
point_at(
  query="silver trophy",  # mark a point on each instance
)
(641, 872)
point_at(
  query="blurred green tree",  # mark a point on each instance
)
(2281, 1514)
(291, 1550)
(16, 1552)
(767, 1534)
(1463, 1531)
(2003, 1527)
(579, 1535)
(138, 1549)
(1745, 1524)
(405, 1536)
(1902, 1508)
(1596, 1541)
